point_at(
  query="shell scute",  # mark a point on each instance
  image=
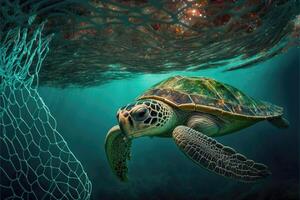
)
(209, 95)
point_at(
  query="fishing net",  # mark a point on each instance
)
(35, 161)
(101, 40)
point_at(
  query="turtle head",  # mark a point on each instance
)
(146, 118)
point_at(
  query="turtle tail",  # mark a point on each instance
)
(279, 122)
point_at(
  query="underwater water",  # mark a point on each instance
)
(157, 169)
(67, 66)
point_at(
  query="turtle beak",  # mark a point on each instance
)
(122, 128)
(123, 119)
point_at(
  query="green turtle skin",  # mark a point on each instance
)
(192, 110)
(208, 95)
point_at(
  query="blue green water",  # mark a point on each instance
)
(158, 170)
(107, 58)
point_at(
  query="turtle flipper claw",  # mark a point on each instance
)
(216, 157)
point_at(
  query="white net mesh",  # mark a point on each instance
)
(35, 161)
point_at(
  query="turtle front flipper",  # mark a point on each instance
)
(117, 148)
(216, 157)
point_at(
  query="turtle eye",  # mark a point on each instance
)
(140, 114)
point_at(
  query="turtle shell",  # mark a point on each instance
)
(210, 96)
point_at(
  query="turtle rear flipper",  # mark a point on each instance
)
(279, 122)
(216, 157)
(117, 149)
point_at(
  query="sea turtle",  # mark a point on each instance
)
(192, 110)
